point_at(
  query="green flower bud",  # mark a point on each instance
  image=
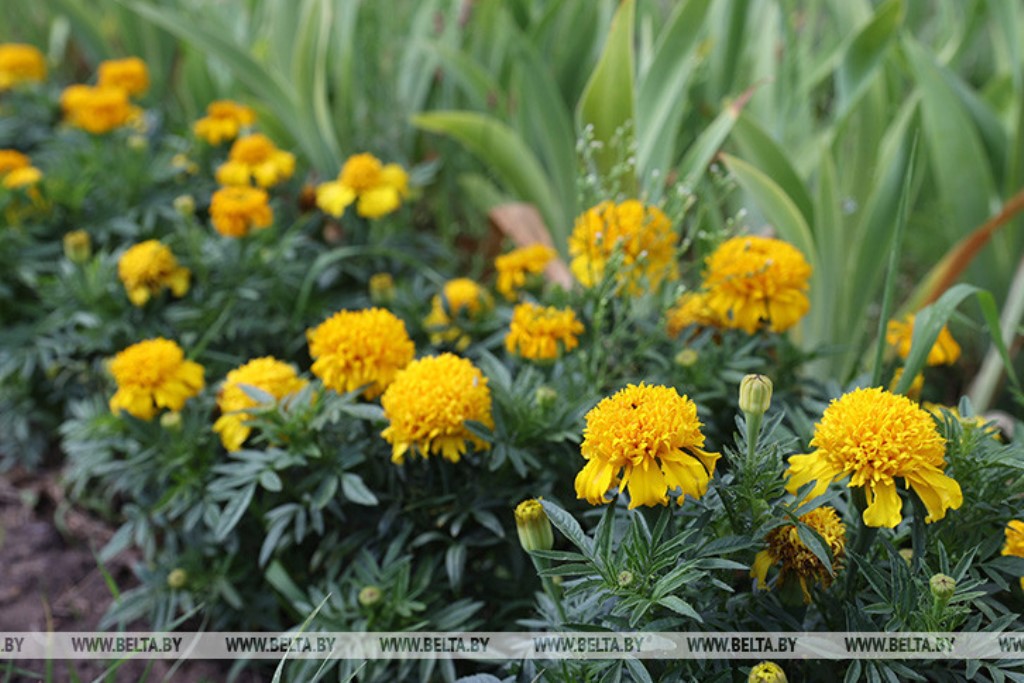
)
(545, 397)
(382, 288)
(177, 578)
(907, 554)
(625, 578)
(687, 358)
(185, 205)
(767, 672)
(77, 246)
(533, 526)
(942, 587)
(369, 596)
(755, 394)
(171, 420)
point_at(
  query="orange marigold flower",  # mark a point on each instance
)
(900, 333)
(129, 74)
(99, 109)
(267, 374)
(460, 300)
(235, 211)
(542, 332)
(641, 235)
(224, 120)
(652, 435)
(255, 157)
(428, 405)
(514, 267)
(786, 548)
(365, 348)
(20, 63)
(151, 375)
(148, 268)
(377, 189)
(874, 436)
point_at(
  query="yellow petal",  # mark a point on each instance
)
(645, 484)
(806, 468)
(233, 173)
(332, 198)
(594, 480)
(884, 504)
(759, 570)
(686, 474)
(937, 491)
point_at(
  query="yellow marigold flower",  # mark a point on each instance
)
(22, 177)
(786, 548)
(365, 348)
(224, 120)
(653, 435)
(643, 235)
(149, 267)
(690, 309)
(460, 299)
(376, 188)
(875, 436)
(900, 333)
(255, 157)
(514, 267)
(267, 374)
(235, 211)
(428, 405)
(151, 375)
(12, 160)
(20, 63)
(98, 109)
(767, 672)
(542, 332)
(1014, 545)
(129, 74)
(754, 281)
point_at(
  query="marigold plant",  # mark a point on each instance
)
(785, 548)
(364, 348)
(900, 333)
(224, 120)
(514, 267)
(428, 405)
(129, 74)
(267, 374)
(148, 268)
(874, 436)
(542, 332)
(20, 63)
(643, 235)
(151, 375)
(234, 211)
(652, 436)
(754, 282)
(376, 188)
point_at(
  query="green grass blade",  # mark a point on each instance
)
(865, 52)
(757, 146)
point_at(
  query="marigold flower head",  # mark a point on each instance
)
(460, 300)
(874, 436)
(377, 188)
(12, 160)
(20, 63)
(267, 374)
(21, 178)
(1014, 545)
(98, 109)
(652, 435)
(235, 211)
(786, 548)
(129, 74)
(514, 267)
(900, 333)
(757, 281)
(151, 375)
(365, 348)
(690, 309)
(148, 268)
(429, 403)
(224, 120)
(255, 157)
(642, 234)
(767, 672)
(542, 332)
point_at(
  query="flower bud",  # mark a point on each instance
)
(77, 246)
(181, 162)
(907, 554)
(625, 578)
(369, 596)
(171, 420)
(533, 526)
(137, 142)
(545, 397)
(185, 205)
(942, 587)
(687, 358)
(755, 394)
(177, 578)
(767, 672)
(382, 288)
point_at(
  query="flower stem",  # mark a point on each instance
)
(541, 565)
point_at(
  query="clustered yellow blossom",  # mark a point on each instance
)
(148, 268)
(874, 436)
(514, 267)
(267, 374)
(754, 282)
(1014, 545)
(224, 120)
(652, 435)
(234, 211)
(151, 375)
(129, 74)
(17, 171)
(460, 300)
(900, 333)
(255, 157)
(786, 548)
(20, 63)
(542, 332)
(690, 309)
(429, 403)
(97, 109)
(377, 189)
(642, 236)
(364, 348)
